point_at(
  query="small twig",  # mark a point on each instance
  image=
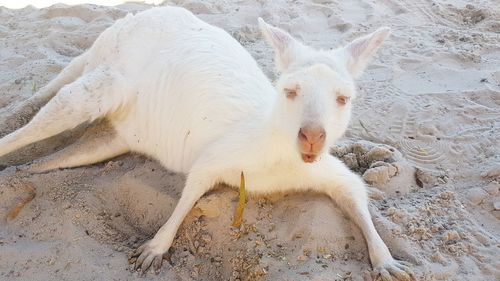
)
(34, 87)
(31, 193)
(363, 125)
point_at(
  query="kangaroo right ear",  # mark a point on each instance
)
(360, 51)
(285, 46)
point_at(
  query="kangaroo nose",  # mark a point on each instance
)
(312, 135)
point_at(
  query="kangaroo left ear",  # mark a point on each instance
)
(360, 51)
(285, 46)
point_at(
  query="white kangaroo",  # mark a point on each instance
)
(189, 95)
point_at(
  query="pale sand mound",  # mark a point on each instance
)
(432, 97)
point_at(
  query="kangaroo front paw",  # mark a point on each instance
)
(393, 270)
(146, 255)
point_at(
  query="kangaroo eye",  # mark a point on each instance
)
(342, 100)
(291, 93)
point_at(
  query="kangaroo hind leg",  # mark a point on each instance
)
(18, 115)
(86, 99)
(99, 143)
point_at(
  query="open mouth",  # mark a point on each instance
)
(308, 158)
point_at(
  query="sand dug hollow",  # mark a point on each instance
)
(432, 98)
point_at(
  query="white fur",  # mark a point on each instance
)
(189, 95)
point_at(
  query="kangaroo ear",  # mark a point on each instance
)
(360, 51)
(286, 48)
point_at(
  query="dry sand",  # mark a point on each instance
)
(432, 97)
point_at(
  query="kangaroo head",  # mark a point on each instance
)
(316, 87)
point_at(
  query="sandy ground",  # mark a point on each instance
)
(432, 97)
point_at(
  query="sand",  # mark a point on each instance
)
(425, 134)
